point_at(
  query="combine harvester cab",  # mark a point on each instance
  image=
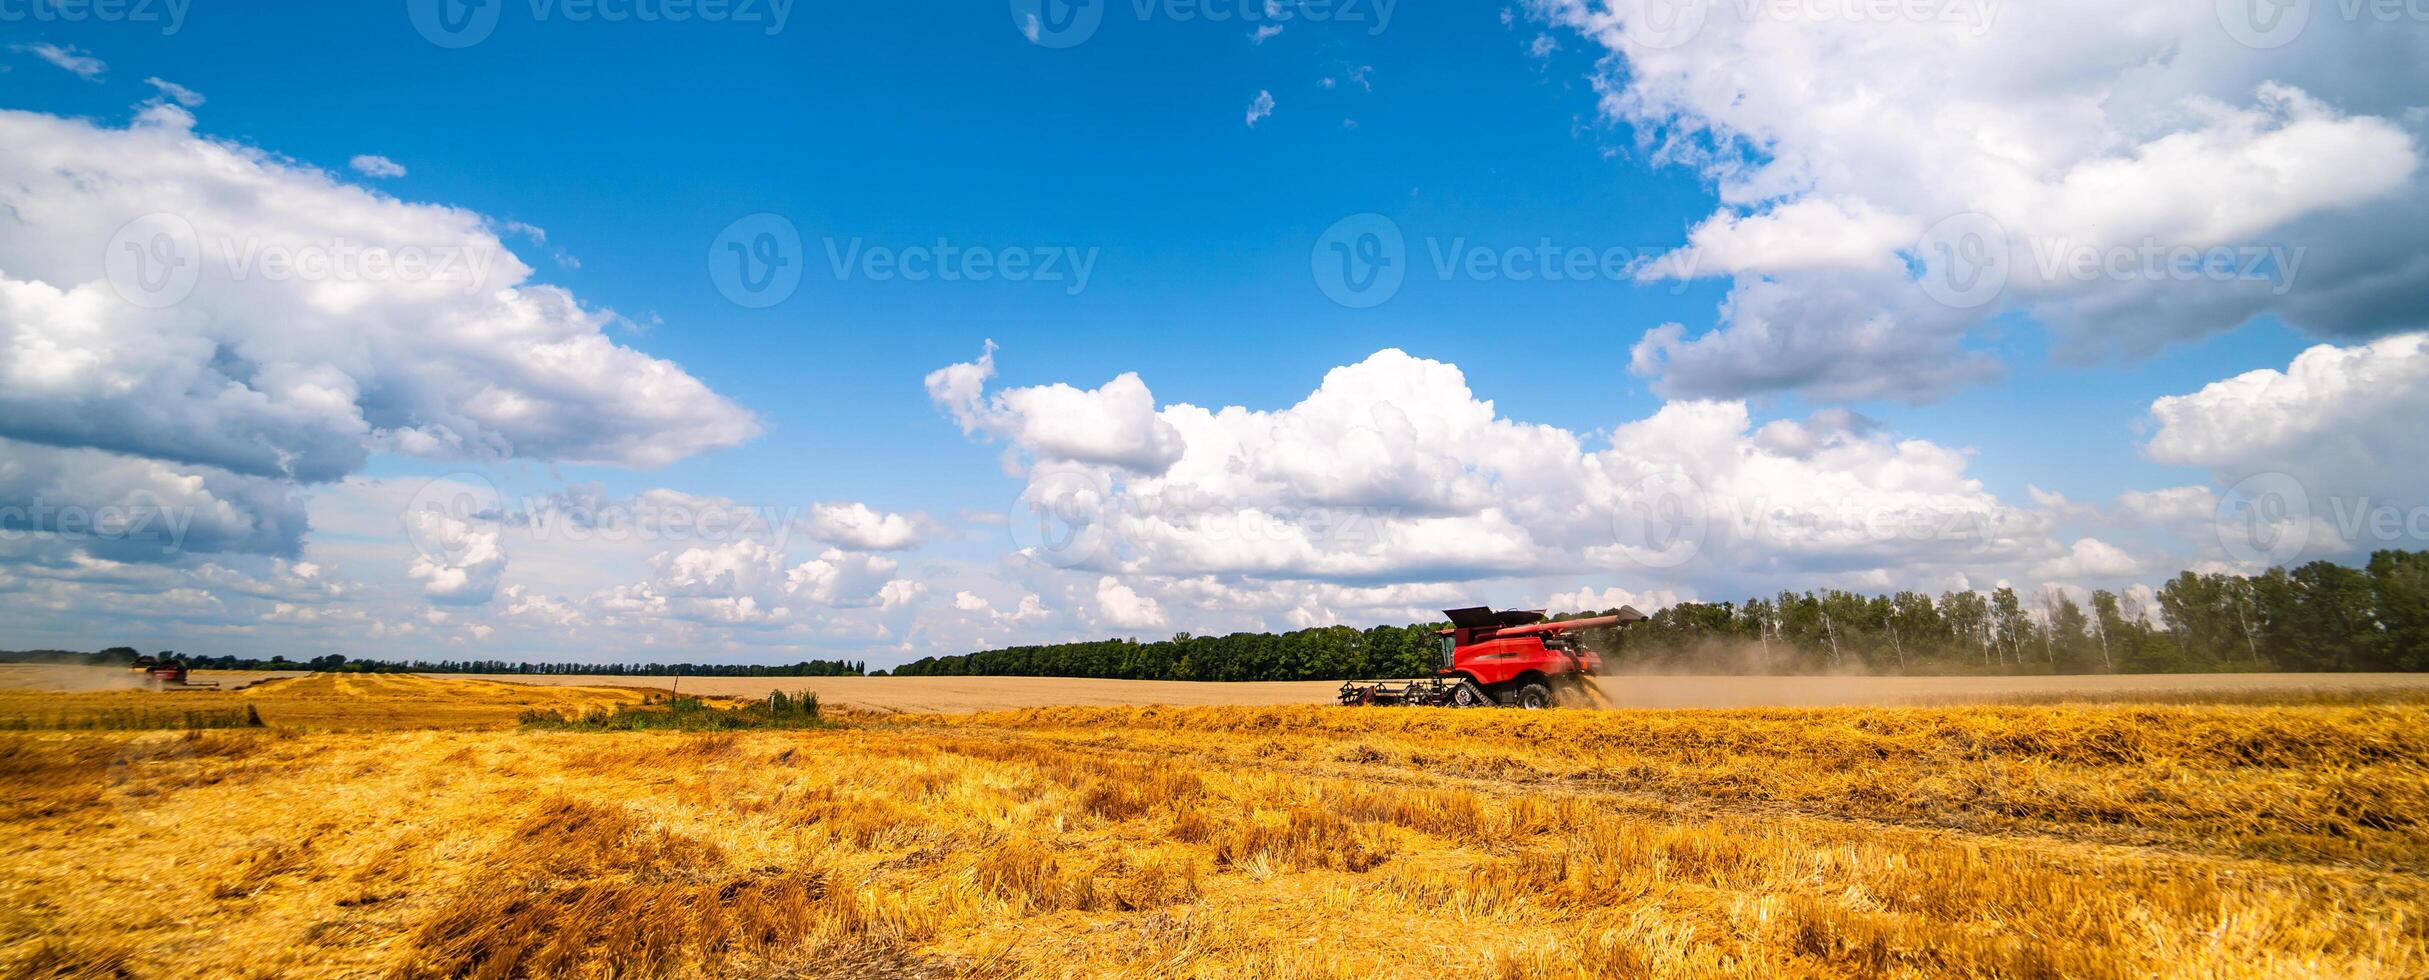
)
(1508, 657)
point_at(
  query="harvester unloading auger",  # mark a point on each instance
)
(1509, 657)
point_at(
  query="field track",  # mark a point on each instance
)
(958, 694)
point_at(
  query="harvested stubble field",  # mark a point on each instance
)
(2076, 840)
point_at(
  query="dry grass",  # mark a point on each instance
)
(2077, 840)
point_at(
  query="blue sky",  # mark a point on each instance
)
(634, 145)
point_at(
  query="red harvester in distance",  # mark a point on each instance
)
(1506, 657)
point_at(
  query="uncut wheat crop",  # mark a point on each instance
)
(410, 827)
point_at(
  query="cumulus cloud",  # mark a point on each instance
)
(140, 509)
(297, 367)
(460, 561)
(1392, 471)
(2344, 420)
(1118, 605)
(859, 527)
(1813, 233)
(1260, 107)
(2090, 558)
(1842, 146)
(1112, 425)
(841, 578)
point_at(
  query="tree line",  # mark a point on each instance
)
(339, 663)
(2318, 617)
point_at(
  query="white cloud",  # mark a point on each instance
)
(859, 527)
(79, 63)
(839, 578)
(136, 509)
(1264, 33)
(176, 93)
(294, 375)
(1813, 233)
(372, 165)
(1826, 137)
(1119, 606)
(1260, 107)
(460, 562)
(2346, 421)
(2172, 506)
(1392, 471)
(2090, 558)
(1113, 425)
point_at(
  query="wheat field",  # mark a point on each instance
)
(405, 827)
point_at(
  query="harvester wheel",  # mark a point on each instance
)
(1468, 695)
(1535, 696)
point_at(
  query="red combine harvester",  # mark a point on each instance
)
(1506, 657)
